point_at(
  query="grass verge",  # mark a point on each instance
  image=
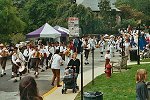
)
(145, 60)
(121, 86)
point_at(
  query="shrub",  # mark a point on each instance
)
(16, 38)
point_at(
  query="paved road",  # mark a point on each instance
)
(9, 90)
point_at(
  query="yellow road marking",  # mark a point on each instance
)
(51, 91)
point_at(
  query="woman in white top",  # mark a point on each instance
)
(107, 58)
(55, 66)
(127, 48)
(101, 46)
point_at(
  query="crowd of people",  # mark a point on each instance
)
(29, 56)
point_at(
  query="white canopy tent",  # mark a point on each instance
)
(62, 29)
(46, 31)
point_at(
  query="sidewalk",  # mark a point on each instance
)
(55, 93)
(132, 63)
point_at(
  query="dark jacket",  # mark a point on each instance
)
(141, 91)
(76, 63)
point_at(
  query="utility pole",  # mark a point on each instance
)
(92, 65)
(122, 45)
(81, 73)
(139, 33)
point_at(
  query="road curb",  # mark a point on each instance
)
(51, 91)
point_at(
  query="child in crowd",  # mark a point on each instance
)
(107, 58)
(141, 87)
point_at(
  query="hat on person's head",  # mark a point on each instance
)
(1, 45)
(106, 35)
(111, 36)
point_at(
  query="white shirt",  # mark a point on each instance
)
(93, 42)
(0, 52)
(26, 52)
(127, 44)
(88, 46)
(42, 51)
(16, 59)
(31, 54)
(57, 48)
(47, 52)
(56, 61)
(61, 49)
(107, 56)
(101, 43)
(51, 50)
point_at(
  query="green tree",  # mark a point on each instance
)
(104, 7)
(16, 38)
(137, 9)
(85, 15)
(9, 20)
(38, 12)
(126, 22)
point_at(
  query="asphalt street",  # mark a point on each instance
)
(10, 90)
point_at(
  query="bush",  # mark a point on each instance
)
(4, 38)
(126, 22)
(16, 38)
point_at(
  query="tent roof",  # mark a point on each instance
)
(64, 32)
(62, 29)
(45, 31)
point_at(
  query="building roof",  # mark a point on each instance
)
(93, 4)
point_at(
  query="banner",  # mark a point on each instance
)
(73, 26)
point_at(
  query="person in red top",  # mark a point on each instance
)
(71, 46)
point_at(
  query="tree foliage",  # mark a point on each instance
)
(104, 7)
(24, 16)
(17, 38)
(137, 9)
(9, 20)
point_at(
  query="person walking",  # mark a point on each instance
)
(35, 59)
(101, 44)
(67, 53)
(87, 50)
(74, 63)
(3, 58)
(50, 52)
(111, 45)
(43, 57)
(26, 55)
(55, 66)
(17, 61)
